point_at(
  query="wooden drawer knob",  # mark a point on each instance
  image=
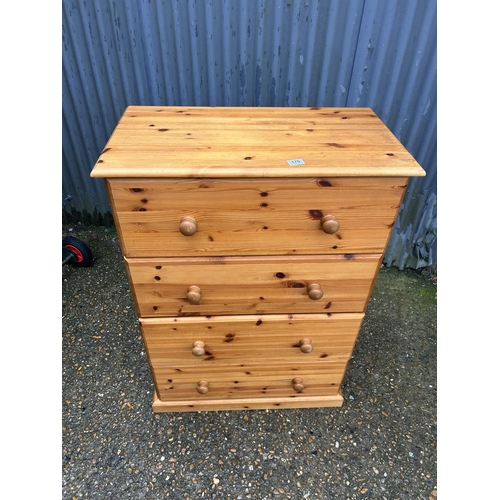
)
(298, 384)
(198, 348)
(202, 387)
(330, 224)
(314, 291)
(193, 295)
(188, 226)
(306, 345)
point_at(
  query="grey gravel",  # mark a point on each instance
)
(381, 444)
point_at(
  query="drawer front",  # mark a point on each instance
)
(254, 216)
(247, 380)
(252, 285)
(202, 342)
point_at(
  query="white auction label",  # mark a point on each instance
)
(297, 161)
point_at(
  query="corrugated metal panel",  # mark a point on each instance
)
(394, 73)
(380, 54)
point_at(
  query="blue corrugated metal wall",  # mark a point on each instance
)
(380, 54)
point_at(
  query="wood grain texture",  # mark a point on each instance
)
(252, 239)
(252, 285)
(255, 216)
(264, 339)
(276, 403)
(156, 141)
(247, 380)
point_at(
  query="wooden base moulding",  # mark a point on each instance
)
(248, 403)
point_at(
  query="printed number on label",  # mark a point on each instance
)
(297, 161)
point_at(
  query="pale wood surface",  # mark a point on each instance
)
(252, 285)
(254, 245)
(247, 403)
(265, 339)
(155, 141)
(255, 216)
(247, 380)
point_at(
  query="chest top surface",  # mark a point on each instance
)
(249, 142)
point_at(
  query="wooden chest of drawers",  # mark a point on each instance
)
(252, 238)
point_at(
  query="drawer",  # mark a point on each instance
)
(247, 380)
(252, 285)
(254, 216)
(204, 342)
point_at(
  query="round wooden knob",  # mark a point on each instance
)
(306, 345)
(314, 291)
(193, 295)
(188, 226)
(298, 384)
(330, 224)
(198, 348)
(202, 387)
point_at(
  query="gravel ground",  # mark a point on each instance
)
(381, 444)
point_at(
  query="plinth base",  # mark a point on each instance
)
(247, 404)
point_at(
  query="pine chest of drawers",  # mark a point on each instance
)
(252, 238)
